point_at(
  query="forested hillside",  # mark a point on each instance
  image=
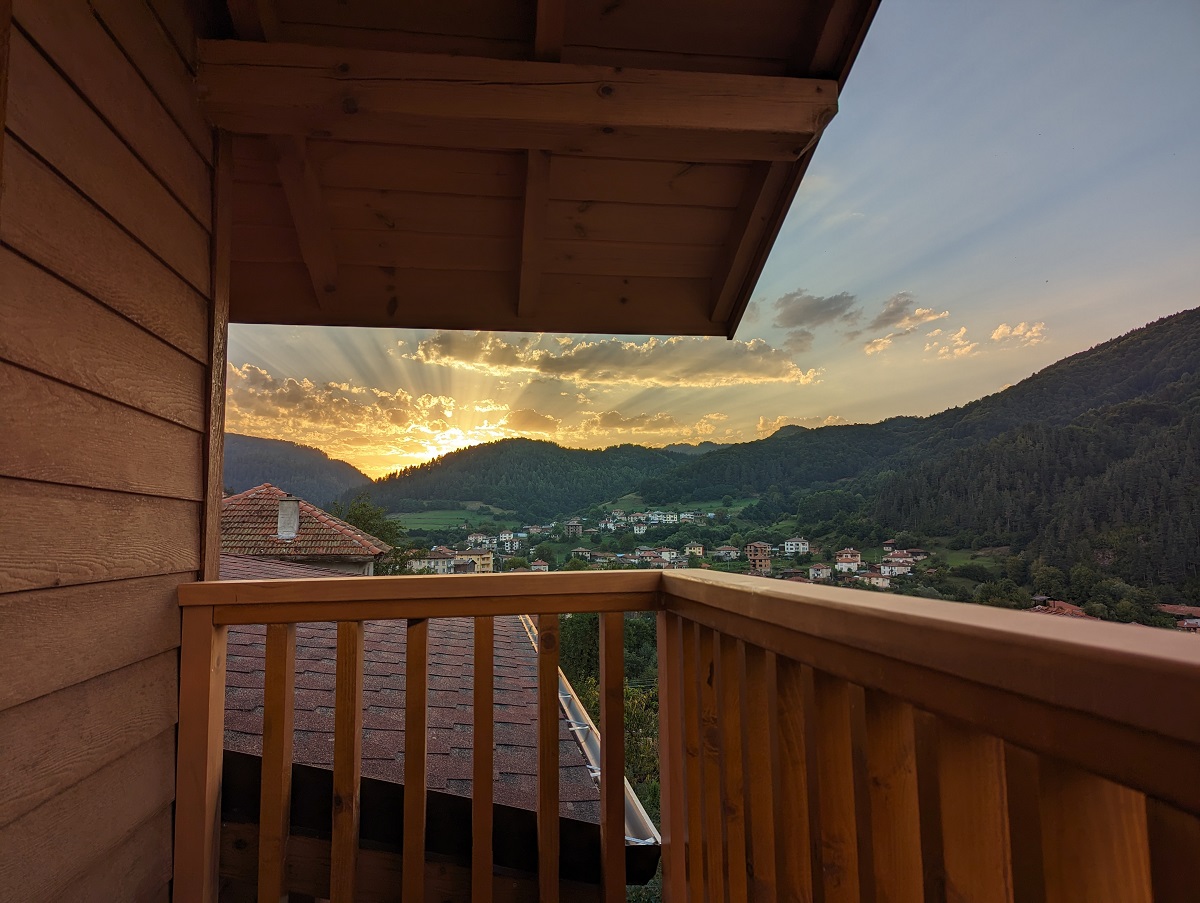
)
(537, 479)
(301, 470)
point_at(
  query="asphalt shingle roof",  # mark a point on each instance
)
(250, 522)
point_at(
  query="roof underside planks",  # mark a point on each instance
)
(526, 166)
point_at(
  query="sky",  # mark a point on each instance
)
(1006, 184)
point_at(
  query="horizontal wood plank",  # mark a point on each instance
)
(637, 223)
(179, 22)
(78, 44)
(103, 352)
(441, 101)
(47, 114)
(74, 616)
(296, 32)
(139, 868)
(625, 259)
(110, 446)
(380, 873)
(424, 169)
(48, 221)
(58, 535)
(647, 182)
(55, 741)
(45, 848)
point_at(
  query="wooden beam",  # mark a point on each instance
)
(533, 231)
(5, 39)
(347, 762)
(254, 20)
(309, 215)
(548, 839)
(218, 347)
(566, 108)
(416, 702)
(275, 808)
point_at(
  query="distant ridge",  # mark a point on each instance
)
(303, 471)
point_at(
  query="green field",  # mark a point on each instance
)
(443, 519)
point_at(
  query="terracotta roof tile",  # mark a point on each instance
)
(250, 521)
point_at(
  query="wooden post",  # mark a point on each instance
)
(715, 866)
(482, 761)
(275, 808)
(347, 762)
(692, 769)
(759, 707)
(835, 767)
(416, 679)
(670, 744)
(731, 727)
(201, 744)
(547, 769)
(795, 833)
(612, 756)
(895, 811)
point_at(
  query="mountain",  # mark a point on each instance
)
(301, 470)
(698, 448)
(535, 478)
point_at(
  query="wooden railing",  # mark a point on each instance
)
(816, 743)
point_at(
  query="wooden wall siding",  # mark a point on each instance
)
(105, 286)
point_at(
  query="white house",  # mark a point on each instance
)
(433, 562)
(726, 553)
(848, 561)
(639, 529)
(796, 546)
(539, 565)
(820, 572)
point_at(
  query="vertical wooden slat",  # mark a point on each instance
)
(347, 756)
(1094, 836)
(925, 730)
(759, 705)
(547, 800)
(835, 769)
(1174, 837)
(975, 833)
(5, 39)
(895, 811)
(692, 767)
(795, 831)
(710, 768)
(481, 764)
(729, 680)
(612, 756)
(275, 808)
(218, 346)
(416, 682)
(201, 742)
(670, 743)
(1024, 824)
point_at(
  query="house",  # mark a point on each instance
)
(889, 545)
(847, 561)
(573, 528)
(581, 553)
(482, 540)
(1062, 609)
(820, 572)
(538, 565)
(175, 165)
(875, 576)
(694, 548)
(267, 522)
(726, 553)
(795, 546)
(896, 565)
(484, 559)
(759, 556)
(639, 529)
(432, 562)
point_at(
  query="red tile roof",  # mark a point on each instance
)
(1180, 611)
(250, 521)
(249, 567)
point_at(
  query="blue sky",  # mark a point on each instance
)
(1006, 184)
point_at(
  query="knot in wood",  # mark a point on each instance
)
(606, 90)
(548, 642)
(349, 105)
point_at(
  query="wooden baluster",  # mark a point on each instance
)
(759, 705)
(416, 682)
(796, 827)
(481, 764)
(895, 812)
(670, 743)
(1174, 837)
(1024, 824)
(976, 851)
(547, 798)
(612, 756)
(925, 731)
(201, 745)
(1094, 837)
(715, 867)
(347, 756)
(733, 782)
(835, 770)
(692, 766)
(279, 708)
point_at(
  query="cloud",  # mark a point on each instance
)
(954, 345)
(798, 341)
(769, 425)
(799, 309)
(874, 346)
(1021, 335)
(527, 420)
(707, 425)
(680, 361)
(899, 317)
(615, 422)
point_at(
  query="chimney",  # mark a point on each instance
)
(289, 518)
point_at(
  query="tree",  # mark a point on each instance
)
(361, 512)
(575, 564)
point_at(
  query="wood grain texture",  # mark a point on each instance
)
(730, 678)
(104, 352)
(201, 740)
(1174, 838)
(99, 455)
(895, 803)
(50, 117)
(75, 616)
(79, 45)
(694, 787)
(482, 758)
(218, 352)
(112, 802)
(533, 231)
(1094, 836)
(138, 868)
(547, 757)
(673, 793)
(310, 217)
(6, 30)
(347, 761)
(612, 756)
(45, 219)
(797, 831)
(975, 830)
(50, 743)
(179, 22)
(380, 874)
(1021, 780)
(835, 769)
(416, 744)
(96, 535)
(275, 799)
(716, 866)
(760, 705)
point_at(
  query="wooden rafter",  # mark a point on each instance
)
(254, 20)
(445, 101)
(311, 219)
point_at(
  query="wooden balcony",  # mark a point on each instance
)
(816, 743)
